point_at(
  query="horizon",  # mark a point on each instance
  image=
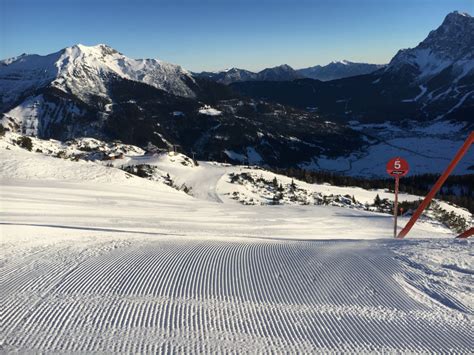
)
(280, 33)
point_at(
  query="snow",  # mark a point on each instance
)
(439, 127)
(209, 184)
(97, 260)
(441, 269)
(81, 148)
(118, 290)
(85, 70)
(251, 156)
(428, 148)
(464, 14)
(235, 156)
(27, 73)
(19, 165)
(209, 111)
(425, 60)
(425, 155)
(12, 59)
(35, 115)
(423, 90)
(343, 62)
(466, 66)
(461, 101)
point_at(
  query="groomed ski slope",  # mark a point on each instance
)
(96, 260)
(152, 294)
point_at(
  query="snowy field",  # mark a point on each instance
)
(97, 260)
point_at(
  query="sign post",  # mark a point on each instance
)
(397, 167)
(395, 207)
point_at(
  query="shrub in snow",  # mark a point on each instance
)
(450, 219)
(25, 142)
(186, 189)
(2, 130)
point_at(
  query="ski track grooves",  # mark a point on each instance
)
(213, 295)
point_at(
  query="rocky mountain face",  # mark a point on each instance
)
(441, 68)
(338, 70)
(450, 44)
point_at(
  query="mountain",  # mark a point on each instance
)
(338, 70)
(229, 76)
(86, 72)
(98, 92)
(279, 73)
(434, 80)
(450, 47)
(334, 70)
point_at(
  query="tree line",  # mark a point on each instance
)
(458, 189)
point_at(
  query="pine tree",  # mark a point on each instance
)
(275, 183)
(377, 200)
(293, 185)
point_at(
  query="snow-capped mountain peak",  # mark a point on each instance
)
(343, 62)
(104, 60)
(451, 44)
(8, 61)
(454, 39)
(87, 70)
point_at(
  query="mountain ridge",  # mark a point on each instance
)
(434, 80)
(339, 70)
(85, 70)
(284, 72)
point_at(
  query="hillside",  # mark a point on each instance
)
(206, 181)
(98, 259)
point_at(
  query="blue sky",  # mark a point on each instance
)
(216, 34)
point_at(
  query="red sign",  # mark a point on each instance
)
(397, 167)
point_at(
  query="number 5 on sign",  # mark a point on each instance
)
(397, 167)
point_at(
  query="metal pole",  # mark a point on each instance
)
(395, 207)
(465, 147)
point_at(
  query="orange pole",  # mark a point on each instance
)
(465, 147)
(466, 234)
